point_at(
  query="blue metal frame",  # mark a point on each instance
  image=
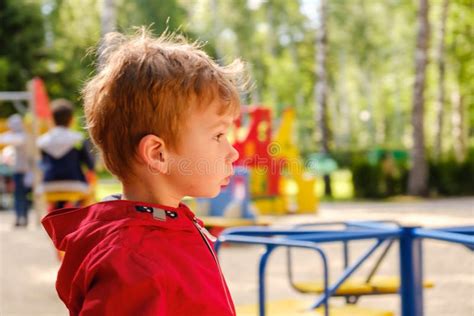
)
(271, 244)
(314, 236)
(467, 230)
(303, 239)
(410, 247)
(411, 273)
(464, 238)
(346, 274)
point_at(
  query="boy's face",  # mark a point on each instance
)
(202, 163)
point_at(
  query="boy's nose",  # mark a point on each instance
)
(233, 155)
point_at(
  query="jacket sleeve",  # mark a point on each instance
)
(125, 283)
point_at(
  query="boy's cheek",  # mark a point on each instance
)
(205, 190)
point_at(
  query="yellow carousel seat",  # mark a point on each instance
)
(359, 286)
(290, 307)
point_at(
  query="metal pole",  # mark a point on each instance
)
(39, 204)
(411, 272)
(261, 279)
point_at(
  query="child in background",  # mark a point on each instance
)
(64, 153)
(17, 138)
(159, 110)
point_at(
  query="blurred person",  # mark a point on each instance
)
(20, 163)
(64, 153)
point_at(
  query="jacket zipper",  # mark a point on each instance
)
(204, 232)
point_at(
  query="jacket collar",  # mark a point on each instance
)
(71, 223)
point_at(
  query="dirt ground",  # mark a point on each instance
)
(28, 264)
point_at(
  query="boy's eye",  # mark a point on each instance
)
(218, 137)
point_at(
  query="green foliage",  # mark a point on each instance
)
(372, 181)
(449, 177)
(21, 47)
(158, 15)
(370, 57)
(367, 179)
(74, 33)
(460, 48)
(21, 43)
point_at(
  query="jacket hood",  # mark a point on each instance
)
(122, 259)
(81, 232)
(59, 141)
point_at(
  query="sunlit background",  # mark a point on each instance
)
(373, 101)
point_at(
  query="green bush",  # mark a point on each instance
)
(449, 177)
(367, 179)
(370, 181)
(446, 177)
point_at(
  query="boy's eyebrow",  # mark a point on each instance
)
(221, 123)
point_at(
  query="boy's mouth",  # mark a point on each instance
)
(226, 181)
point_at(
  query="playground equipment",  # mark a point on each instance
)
(305, 197)
(270, 172)
(274, 164)
(354, 287)
(410, 254)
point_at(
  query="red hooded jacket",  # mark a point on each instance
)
(133, 258)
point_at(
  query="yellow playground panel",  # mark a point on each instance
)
(272, 205)
(290, 307)
(304, 196)
(297, 187)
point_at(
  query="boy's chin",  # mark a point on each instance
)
(209, 195)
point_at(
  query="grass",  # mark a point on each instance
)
(342, 186)
(106, 188)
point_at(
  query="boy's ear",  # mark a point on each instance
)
(152, 151)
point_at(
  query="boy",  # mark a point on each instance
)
(159, 110)
(64, 152)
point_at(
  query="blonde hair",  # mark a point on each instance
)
(147, 85)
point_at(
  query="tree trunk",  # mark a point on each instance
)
(107, 23)
(457, 120)
(345, 115)
(271, 46)
(367, 86)
(108, 17)
(216, 29)
(299, 98)
(438, 146)
(417, 181)
(321, 87)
